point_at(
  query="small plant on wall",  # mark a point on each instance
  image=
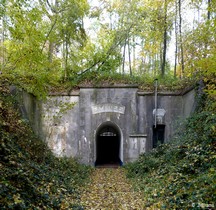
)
(56, 110)
(63, 108)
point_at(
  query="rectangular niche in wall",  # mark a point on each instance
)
(136, 146)
(158, 135)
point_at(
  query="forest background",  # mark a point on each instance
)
(59, 43)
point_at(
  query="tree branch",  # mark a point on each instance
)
(111, 49)
(53, 25)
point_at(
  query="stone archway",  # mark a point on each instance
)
(108, 145)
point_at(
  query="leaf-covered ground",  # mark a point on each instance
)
(30, 176)
(182, 173)
(110, 189)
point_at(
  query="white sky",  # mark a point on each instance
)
(188, 16)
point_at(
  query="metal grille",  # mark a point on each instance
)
(108, 131)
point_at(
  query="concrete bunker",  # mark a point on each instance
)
(108, 124)
(108, 145)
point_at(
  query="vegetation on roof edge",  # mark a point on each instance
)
(144, 82)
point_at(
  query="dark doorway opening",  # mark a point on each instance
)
(158, 135)
(108, 147)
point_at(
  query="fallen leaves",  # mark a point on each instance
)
(30, 176)
(110, 189)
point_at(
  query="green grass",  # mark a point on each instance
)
(145, 82)
(40, 85)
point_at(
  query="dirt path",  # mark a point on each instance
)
(109, 189)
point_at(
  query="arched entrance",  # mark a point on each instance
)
(108, 144)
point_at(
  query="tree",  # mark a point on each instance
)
(37, 30)
(180, 38)
(47, 43)
(3, 32)
(164, 39)
(66, 29)
(200, 51)
(176, 38)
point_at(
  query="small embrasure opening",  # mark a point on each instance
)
(158, 135)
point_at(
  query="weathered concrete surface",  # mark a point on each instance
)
(188, 103)
(30, 109)
(70, 123)
(60, 121)
(111, 106)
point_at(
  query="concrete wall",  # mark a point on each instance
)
(30, 109)
(188, 102)
(69, 123)
(60, 120)
(116, 106)
(173, 106)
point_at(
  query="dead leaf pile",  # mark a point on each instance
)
(110, 189)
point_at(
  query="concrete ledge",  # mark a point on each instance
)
(159, 93)
(77, 92)
(70, 93)
(139, 93)
(166, 93)
(138, 135)
(109, 86)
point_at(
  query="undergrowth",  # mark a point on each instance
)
(30, 176)
(100, 78)
(181, 174)
(144, 82)
(41, 85)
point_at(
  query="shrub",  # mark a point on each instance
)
(181, 174)
(30, 176)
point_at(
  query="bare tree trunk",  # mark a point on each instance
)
(51, 51)
(65, 57)
(163, 66)
(66, 61)
(180, 37)
(134, 53)
(123, 61)
(209, 8)
(3, 32)
(2, 43)
(142, 69)
(154, 64)
(161, 56)
(129, 56)
(176, 38)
